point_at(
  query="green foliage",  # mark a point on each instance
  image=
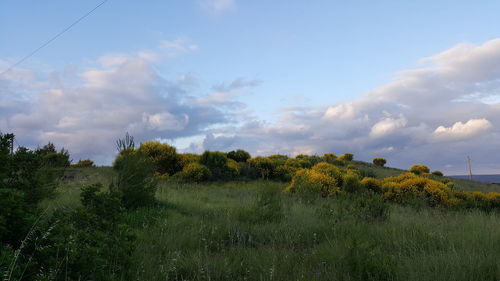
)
(134, 181)
(188, 158)
(195, 172)
(263, 165)
(438, 173)
(239, 155)
(346, 157)
(378, 161)
(87, 163)
(285, 172)
(16, 216)
(351, 182)
(419, 169)
(163, 156)
(52, 158)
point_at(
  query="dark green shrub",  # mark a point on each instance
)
(239, 155)
(419, 169)
(195, 172)
(52, 158)
(135, 182)
(379, 161)
(16, 216)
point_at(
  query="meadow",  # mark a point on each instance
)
(159, 215)
(250, 230)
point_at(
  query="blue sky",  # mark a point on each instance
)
(246, 64)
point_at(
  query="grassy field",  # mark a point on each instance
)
(251, 231)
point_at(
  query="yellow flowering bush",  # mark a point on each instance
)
(372, 184)
(311, 181)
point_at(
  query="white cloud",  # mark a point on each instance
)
(387, 126)
(460, 131)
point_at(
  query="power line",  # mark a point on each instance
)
(54, 38)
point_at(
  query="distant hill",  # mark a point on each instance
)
(480, 178)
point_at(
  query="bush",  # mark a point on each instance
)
(351, 182)
(134, 180)
(329, 157)
(419, 169)
(195, 172)
(285, 172)
(372, 184)
(371, 207)
(87, 163)
(329, 170)
(163, 156)
(239, 155)
(52, 158)
(379, 161)
(346, 157)
(263, 165)
(188, 158)
(438, 173)
(311, 182)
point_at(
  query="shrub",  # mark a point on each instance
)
(87, 163)
(306, 181)
(239, 155)
(329, 157)
(52, 158)
(298, 163)
(284, 172)
(371, 207)
(134, 180)
(196, 172)
(419, 169)
(233, 168)
(372, 184)
(351, 182)
(263, 165)
(188, 158)
(163, 156)
(329, 170)
(346, 157)
(438, 173)
(378, 161)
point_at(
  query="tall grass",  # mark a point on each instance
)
(219, 231)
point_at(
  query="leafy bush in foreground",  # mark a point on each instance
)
(196, 172)
(134, 181)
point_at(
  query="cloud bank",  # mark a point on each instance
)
(436, 114)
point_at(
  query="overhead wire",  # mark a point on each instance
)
(53, 38)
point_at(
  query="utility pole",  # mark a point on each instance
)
(470, 168)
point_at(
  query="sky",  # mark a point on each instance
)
(410, 81)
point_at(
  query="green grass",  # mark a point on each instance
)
(228, 231)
